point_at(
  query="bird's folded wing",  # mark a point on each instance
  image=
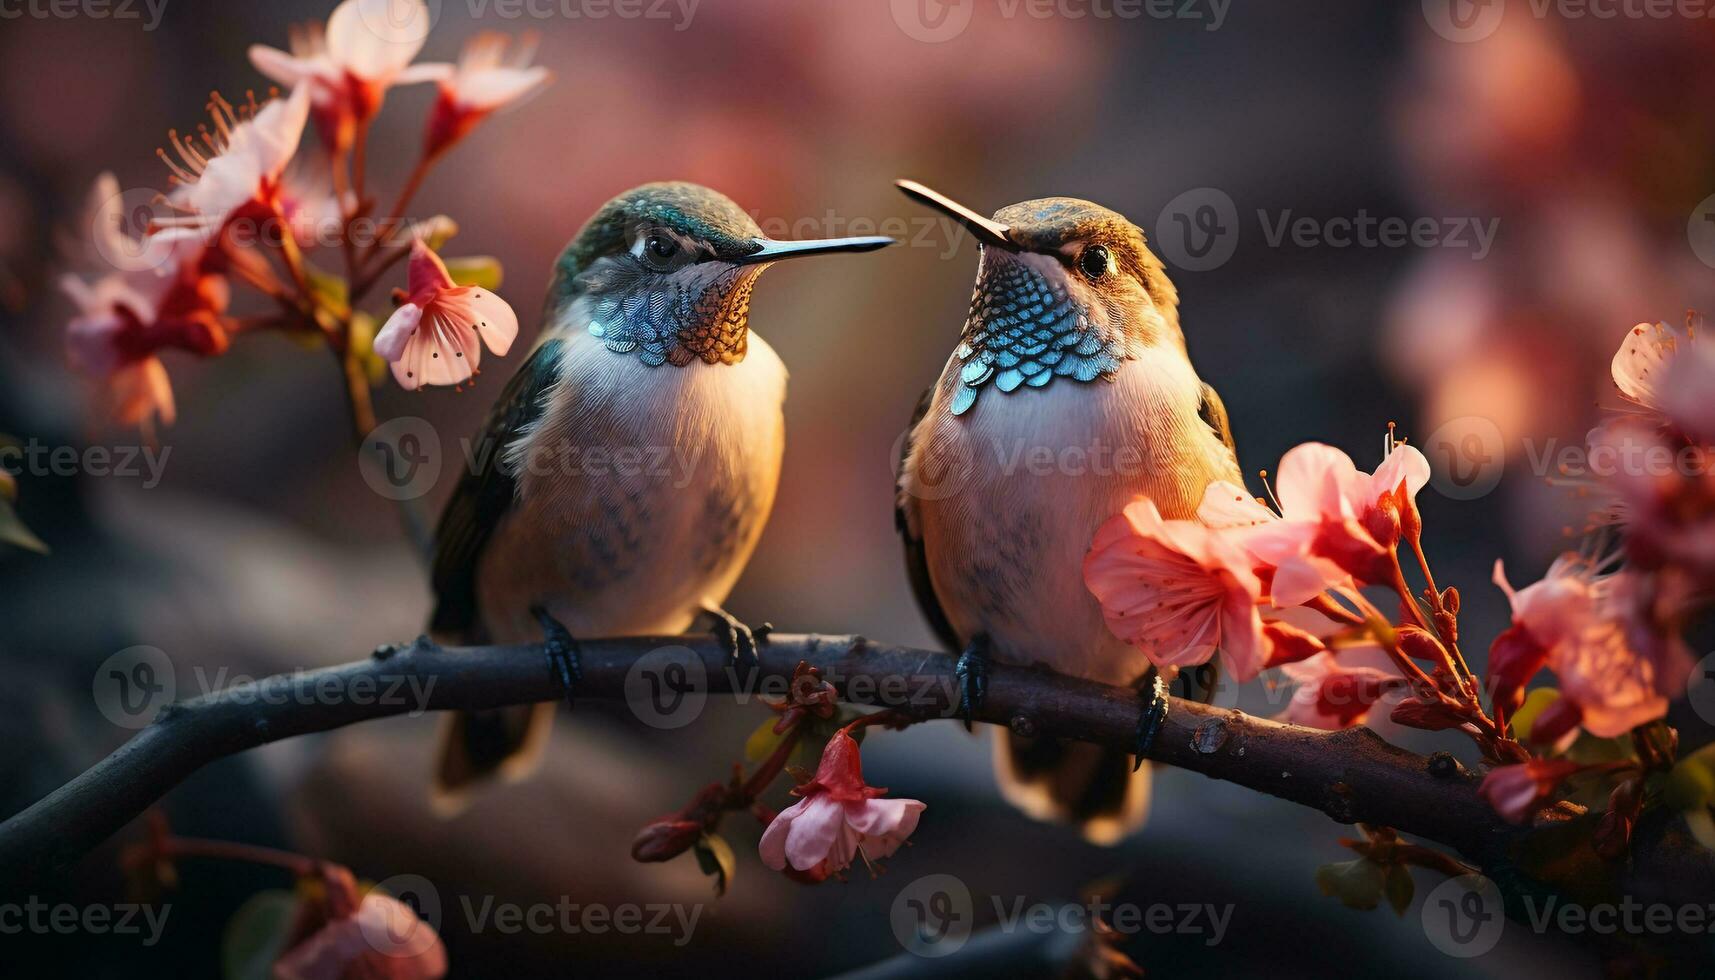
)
(905, 518)
(486, 491)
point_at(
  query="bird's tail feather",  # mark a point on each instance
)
(1073, 782)
(478, 746)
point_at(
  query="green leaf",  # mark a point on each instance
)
(1691, 783)
(715, 857)
(436, 231)
(363, 347)
(475, 270)
(1702, 826)
(256, 935)
(1534, 703)
(329, 290)
(13, 531)
(1357, 884)
(1399, 888)
(762, 742)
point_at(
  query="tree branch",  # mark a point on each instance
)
(1353, 776)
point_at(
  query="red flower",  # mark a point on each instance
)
(838, 819)
(1517, 791)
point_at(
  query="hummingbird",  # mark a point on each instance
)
(631, 461)
(1072, 352)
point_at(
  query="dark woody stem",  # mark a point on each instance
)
(1352, 775)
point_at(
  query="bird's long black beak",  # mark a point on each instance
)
(774, 251)
(988, 231)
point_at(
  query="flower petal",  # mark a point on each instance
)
(376, 39)
(1229, 505)
(772, 846)
(1312, 481)
(426, 274)
(495, 321)
(280, 66)
(812, 837)
(390, 342)
(1405, 464)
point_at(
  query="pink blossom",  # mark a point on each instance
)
(126, 317)
(1656, 361)
(1663, 490)
(377, 937)
(1579, 621)
(1177, 590)
(838, 819)
(436, 336)
(1337, 691)
(484, 80)
(1517, 791)
(1335, 521)
(365, 49)
(236, 170)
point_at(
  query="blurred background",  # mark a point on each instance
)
(1584, 145)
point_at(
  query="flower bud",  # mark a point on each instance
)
(665, 839)
(1514, 658)
(1419, 644)
(1431, 716)
(1557, 722)
(1383, 522)
(1287, 644)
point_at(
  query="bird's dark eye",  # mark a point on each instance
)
(1094, 262)
(660, 247)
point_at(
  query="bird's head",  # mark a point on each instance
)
(1059, 262)
(665, 271)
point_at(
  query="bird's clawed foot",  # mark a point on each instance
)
(972, 670)
(1154, 693)
(738, 641)
(562, 653)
